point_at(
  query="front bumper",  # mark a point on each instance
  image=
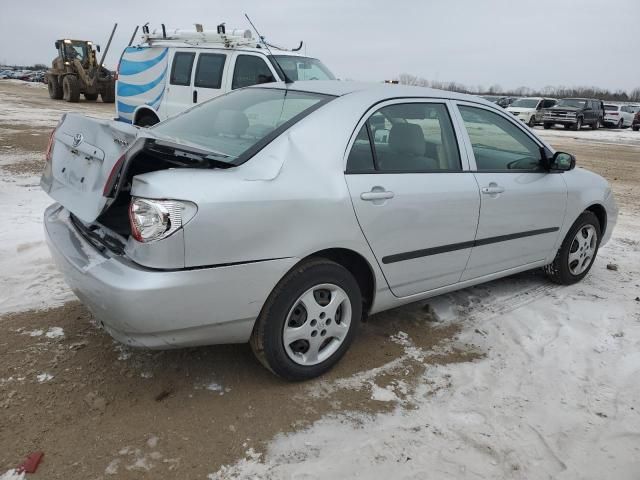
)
(161, 308)
(560, 120)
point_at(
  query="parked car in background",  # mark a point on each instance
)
(619, 116)
(283, 214)
(635, 125)
(502, 101)
(531, 109)
(574, 113)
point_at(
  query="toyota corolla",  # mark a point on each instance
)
(284, 214)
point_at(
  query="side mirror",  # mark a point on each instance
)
(563, 162)
(98, 48)
(57, 45)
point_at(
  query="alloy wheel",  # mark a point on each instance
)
(583, 249)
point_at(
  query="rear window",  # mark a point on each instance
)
(611, 108)
(237, 125)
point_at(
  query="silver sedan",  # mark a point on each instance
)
(283, 214)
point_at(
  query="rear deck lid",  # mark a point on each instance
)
(83, 153)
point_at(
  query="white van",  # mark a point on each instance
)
(171, 71)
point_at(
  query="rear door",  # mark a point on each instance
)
(179, 93)
(209, 72)
(415, 200)
(522, 204)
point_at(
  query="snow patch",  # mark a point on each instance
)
(44, 377)
(12, 475)
(55, 332)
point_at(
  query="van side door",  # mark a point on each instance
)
(208, 77)
(178, 95)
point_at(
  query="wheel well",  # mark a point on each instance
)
(599, 211)
(359, 268)
(144, 112)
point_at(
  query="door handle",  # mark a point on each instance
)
(376, 194)
(492, 189)
(195, 96)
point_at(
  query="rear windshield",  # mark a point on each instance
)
(242, 122)
(526, 103)
(611, 108)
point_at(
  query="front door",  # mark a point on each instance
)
(522, 204)
(415, 200)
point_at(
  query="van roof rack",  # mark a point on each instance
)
(199, 36)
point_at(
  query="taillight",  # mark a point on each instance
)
(112, 176)
(49, 150)
(156, 219)
(613, 113)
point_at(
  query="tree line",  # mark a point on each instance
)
(549, 91)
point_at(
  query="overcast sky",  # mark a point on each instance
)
(475, 42)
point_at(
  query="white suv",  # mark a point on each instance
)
(171, 71)
(619, 116)
(530, 109)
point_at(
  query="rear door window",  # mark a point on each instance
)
(209, 70)
(250, 70)
(181, 68)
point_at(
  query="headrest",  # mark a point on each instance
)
(407, 138)
(231, 122)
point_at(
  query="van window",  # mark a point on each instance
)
(181, 68)
(209, 70)
(250, 70)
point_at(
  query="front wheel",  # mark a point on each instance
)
(532, 121)
(55, 90)
(71, 89)
(546, 126)
(619, 124)
(577, 252)
(308, 321)
(578, 124)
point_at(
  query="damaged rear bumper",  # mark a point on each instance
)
(161, 308)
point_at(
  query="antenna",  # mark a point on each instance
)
(284, 74)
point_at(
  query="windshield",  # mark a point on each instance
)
(240, 122)
(571, 102)
(303, 68)
(526, 103)
(613, 108)
(75, 50)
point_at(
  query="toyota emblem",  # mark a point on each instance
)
(77, 139)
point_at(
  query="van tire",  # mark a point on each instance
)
(267, 336)
(71, 89)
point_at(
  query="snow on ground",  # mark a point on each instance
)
(557, 395)
(29, 277)
(603, 135)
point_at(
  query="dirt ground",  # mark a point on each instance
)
(100, 410)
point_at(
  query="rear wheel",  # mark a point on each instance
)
(577, 252)
(71, 89)
(91, 96)
(308, 321)
(55, 90)
(596, 125)
(546, 126)
(636, 128)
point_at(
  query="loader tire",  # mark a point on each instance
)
(55, 90)
(108, 94)
(91, 96)
(71, 89)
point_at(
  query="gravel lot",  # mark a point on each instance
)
(100, 410)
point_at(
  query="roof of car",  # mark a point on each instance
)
(382, 90)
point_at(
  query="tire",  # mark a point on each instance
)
(595, 125)
(92, 97)
(546, 126)
(285, 312)
(70, 89)
(146, 120)
(108, 94)
(55, 90)
(577, 125)
(561, 270)
(636, 128)
(566, 126)
(619, 126)
(532, 121)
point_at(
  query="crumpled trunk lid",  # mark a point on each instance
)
(83, 154)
